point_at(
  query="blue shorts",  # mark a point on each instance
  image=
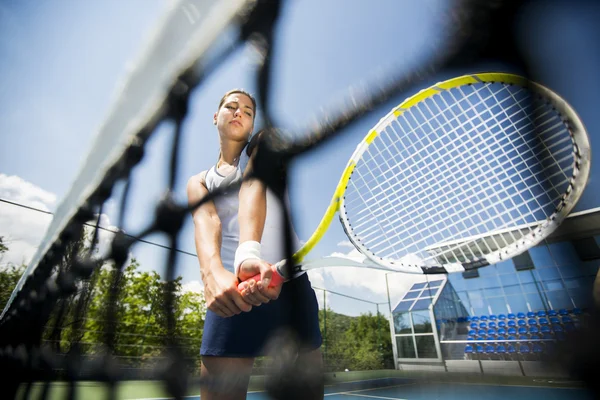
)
(246, 334)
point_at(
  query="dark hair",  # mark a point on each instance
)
(241, 91)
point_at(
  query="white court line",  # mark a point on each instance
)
(353, 392)
(371, 396)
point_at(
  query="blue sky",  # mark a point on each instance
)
(60, 62)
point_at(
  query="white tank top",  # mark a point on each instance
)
(272, 245)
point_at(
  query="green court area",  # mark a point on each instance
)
(383, 384)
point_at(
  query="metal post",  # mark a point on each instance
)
(324, 327)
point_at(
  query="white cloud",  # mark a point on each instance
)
(22, 228)
(193, 286)
(345, 243)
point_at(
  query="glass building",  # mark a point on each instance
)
(556, 275)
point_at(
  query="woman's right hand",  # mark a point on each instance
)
(222, 295)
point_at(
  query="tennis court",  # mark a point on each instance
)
(383, 384)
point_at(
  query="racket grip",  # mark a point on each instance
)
(276, 278)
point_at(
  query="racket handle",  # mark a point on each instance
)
(276, 278)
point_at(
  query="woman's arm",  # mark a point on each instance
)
(220, 285)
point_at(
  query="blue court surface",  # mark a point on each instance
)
(414, 389)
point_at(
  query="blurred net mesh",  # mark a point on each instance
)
(54, 329)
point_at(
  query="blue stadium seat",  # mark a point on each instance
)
(566, 319)
(500, 337)
(493, 317)
(511, 316)
(530, 314)
(547, 335)
(534, 329)
(512, 330)
(521, 315)
(501, 317)
(522, 330)
(534, 337)
(491, 332)
(482, 338)
(511, 337)
(552, 313)
(500, 349)
(563, 311)
(510, 349)
(532, 321)
(473, 325)
(521, 322)
(512, 323)
(524, 349)
(483, 324)
(537, 349)
(479, 349)
(468, 319)
(543, 321)
(557, 328)
(470, 337)
(523, 337)
(492, 324)
(482, 332)
(472, 332)
(468, 349)
(541, 313)
(554, 320)
(475, 318)
(576, 311)
(545, 329)
(483, 318)
(501, 324)
(501, 331)
(489, 349)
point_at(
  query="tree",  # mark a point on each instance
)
(9, 276)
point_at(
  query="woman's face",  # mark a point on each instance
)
(235, 117)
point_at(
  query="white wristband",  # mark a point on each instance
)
(245, 251)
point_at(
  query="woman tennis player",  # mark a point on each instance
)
(237, 236)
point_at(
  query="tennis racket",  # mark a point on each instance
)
(466, 173)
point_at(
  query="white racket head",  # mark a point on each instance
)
(464, 174)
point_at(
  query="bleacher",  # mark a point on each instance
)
(524, 336)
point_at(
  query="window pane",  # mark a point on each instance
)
(563, 253)
(412, 295)
(419, 285)
(512, 289)
(406, 347)
(421, 304)
(549, 273)
(553, 285)
(404, 305)
(421, 321)
(570, 271)
(535, 302)
(559, 299)
(525, 276)
(493, 292)
(498, 305)
(509, 279)
(426, 346)
(505, 267)
(531, 288)
(541, 256)
(436, 283)
(517, 303)
(402, 323)
(523, 262)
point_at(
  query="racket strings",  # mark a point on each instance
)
(475, 157)
(474, 226)
(547, 182)
(397, 155)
